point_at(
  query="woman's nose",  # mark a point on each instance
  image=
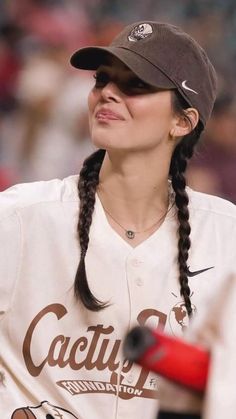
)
(111, 92)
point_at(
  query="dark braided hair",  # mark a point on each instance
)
(182, 153)
(88, 182)
(87, 185)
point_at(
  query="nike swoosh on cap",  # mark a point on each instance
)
(194, 273)
(188, 88)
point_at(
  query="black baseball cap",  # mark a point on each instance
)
(163, 56)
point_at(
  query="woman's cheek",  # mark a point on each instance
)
(92, 101)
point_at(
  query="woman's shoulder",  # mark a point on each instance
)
(211, 204)
(33, 193)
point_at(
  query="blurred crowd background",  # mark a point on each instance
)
(43, 100)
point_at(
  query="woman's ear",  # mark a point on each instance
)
(184, 124)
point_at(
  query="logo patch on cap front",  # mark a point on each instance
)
(141, 31)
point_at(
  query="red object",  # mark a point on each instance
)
(171, 357)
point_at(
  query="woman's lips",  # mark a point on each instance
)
(106, 114)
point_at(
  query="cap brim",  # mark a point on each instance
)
(90, 58)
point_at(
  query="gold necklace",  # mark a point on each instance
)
(130, 234)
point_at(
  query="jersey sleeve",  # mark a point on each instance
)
(10, 248)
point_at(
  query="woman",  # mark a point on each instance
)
(149, 249)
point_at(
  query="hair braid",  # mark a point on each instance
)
(182, 153)
(87, 185)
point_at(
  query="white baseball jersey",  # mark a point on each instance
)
(59, 360)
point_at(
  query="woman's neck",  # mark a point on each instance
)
(134, 190)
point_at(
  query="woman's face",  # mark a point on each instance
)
(125, 113)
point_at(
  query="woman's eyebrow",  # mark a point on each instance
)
(124, 77)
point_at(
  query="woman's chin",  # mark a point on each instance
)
(106, 144)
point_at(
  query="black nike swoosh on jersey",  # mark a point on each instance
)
(194, 273)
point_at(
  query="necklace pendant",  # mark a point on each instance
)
(130, 234)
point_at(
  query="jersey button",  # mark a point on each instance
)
(139, 281)
(136, 263)
(130, 378)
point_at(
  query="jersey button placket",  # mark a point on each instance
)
(137, 263)
(135, 271)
